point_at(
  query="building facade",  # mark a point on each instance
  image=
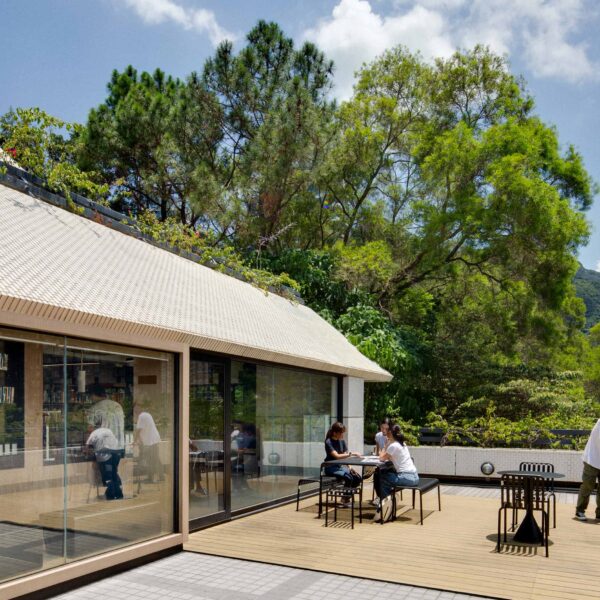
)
(143, 395)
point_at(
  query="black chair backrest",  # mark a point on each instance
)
(537, 466)
(512, 488)
(538, 495)
(542, 468)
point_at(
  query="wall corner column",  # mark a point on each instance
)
(353, 393)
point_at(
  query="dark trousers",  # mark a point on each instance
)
(110, 476)
(350, 478)
(588, 484)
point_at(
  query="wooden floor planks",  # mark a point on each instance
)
(453, 550)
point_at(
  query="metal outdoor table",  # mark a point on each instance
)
(357, 461)
(529, 531)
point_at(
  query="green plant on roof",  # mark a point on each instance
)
(37, 143)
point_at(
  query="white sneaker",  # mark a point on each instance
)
(386, 508)
(580, 516)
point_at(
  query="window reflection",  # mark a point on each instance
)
(279, 420)
(93, 433)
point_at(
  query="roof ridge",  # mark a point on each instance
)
(22, 181)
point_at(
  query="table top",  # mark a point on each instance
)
(543, 474)
(357, 461)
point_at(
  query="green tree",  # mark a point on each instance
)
(275, 127)
(155, 141)
(38, 144)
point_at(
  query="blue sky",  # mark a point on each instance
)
(58, 54)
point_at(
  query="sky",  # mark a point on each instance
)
(59, 54)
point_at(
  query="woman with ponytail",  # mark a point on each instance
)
(403, 472)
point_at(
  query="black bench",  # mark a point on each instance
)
(325, 483)
(426, 484)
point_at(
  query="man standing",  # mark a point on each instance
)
(106, 450)
(591, 474)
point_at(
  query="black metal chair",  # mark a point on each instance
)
(513, 496)
(325, 483)
(550, 491)
(342, 494)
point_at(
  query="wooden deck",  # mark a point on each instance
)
(454, 550)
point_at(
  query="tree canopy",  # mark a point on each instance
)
(433, 217)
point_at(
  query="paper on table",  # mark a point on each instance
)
(370, 459)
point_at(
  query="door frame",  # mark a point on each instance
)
(221, 515)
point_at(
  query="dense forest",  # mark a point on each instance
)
(433, 218)
(587, 287)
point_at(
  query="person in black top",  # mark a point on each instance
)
(336, 448)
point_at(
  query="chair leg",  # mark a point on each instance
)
(413, 499)
(421, 505)
(360, 497)
(352, 511)
(546, 518)
(298, 500)
(499, 524)
(335, 507)
(360, 507)
(553, 511)
(394, 505)
(326, 510)
(439, 499)
(505, 519)
(320, 497)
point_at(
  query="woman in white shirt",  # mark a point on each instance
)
(403, 472)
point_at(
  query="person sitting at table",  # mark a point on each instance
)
(403, 471)
(381, 439)
(336, 449)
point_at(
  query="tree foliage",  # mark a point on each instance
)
(433, 217)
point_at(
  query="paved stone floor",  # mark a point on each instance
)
(190, 576)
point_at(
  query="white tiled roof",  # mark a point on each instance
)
(53, 259)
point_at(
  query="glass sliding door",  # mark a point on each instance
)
(209, 469)
(279, 418)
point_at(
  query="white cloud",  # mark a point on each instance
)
(155, 12)
(540, 31)
(354, 34)
(598, 266)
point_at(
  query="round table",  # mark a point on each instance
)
(529, 531)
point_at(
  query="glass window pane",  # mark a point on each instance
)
(207, 459)
(120, 442)
(280, 417)
(27, 488)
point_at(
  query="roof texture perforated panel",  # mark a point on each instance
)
(59, 265)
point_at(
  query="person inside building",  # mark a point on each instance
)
(402, 470)
(110, 411)
(335, 449)
(148, 439)
(591, 474)
(103, 443)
